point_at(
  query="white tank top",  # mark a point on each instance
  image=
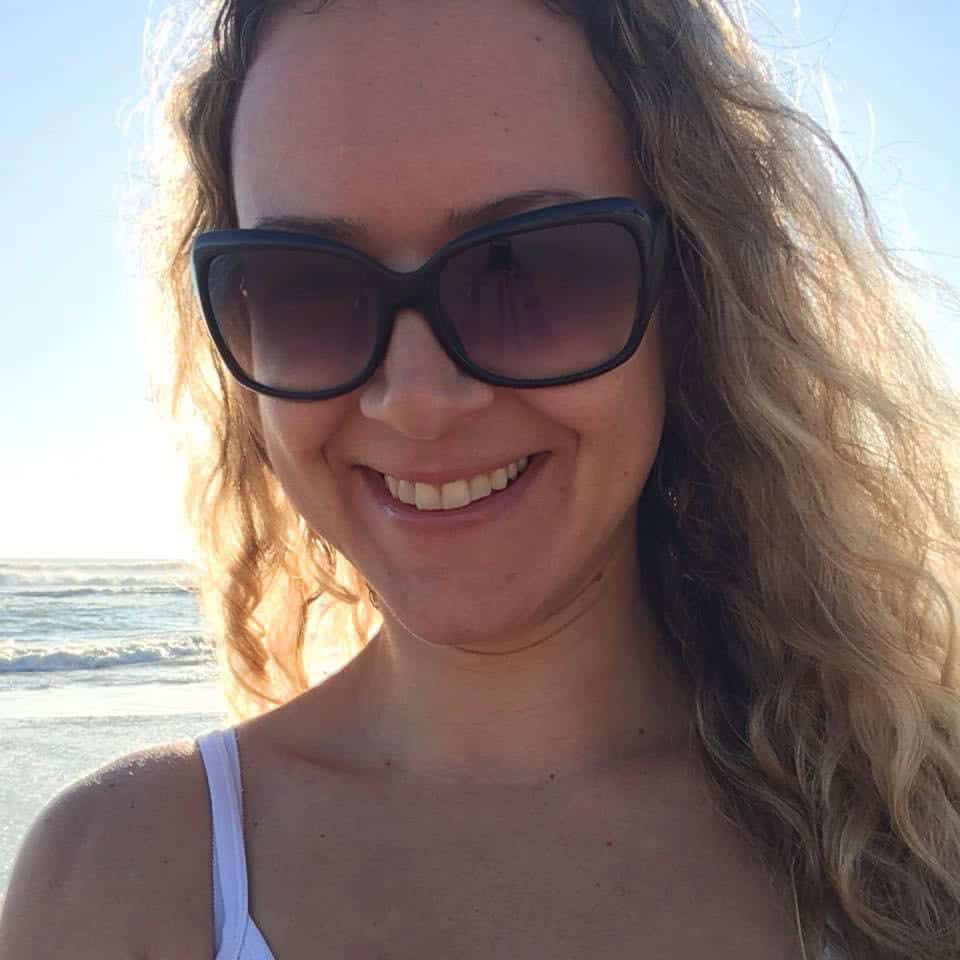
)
(236, 936)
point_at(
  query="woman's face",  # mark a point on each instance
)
(393, 115)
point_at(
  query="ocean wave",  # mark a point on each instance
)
(94, 573)
(117, 591)
(15, 658)
(8, 564)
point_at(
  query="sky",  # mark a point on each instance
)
(89, 467)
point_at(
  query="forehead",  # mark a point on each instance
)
(393, 110)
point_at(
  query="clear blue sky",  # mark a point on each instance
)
(87, 470)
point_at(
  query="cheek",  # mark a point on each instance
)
(643, 383)
(642, 404)
(632, 429)
(614, 424)
(297, 440)
(627, 402)
(295, 433)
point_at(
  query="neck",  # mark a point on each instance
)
(583, 695)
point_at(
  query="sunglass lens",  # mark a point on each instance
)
(295, 320)
(545, 303)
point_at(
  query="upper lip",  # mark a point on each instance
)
(419, 474)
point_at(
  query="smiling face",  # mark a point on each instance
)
(393, 115)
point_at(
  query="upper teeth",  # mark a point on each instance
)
(427, 496)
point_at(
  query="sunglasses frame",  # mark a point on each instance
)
(419, 289)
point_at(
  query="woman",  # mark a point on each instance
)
(681, 682)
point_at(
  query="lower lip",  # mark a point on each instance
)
(480, 511)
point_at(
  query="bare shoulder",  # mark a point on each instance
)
(117, 865)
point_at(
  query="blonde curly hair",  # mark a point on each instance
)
(801, 533)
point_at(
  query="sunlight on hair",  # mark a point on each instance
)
(926, 295)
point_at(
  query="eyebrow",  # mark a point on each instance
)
(458, 220)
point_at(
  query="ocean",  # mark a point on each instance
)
(97, 659)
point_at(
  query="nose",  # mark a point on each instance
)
(418, 390)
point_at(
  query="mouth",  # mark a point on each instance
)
(488, 509)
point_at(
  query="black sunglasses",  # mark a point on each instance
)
(539, 299)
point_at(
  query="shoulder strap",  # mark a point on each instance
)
(222, 764)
